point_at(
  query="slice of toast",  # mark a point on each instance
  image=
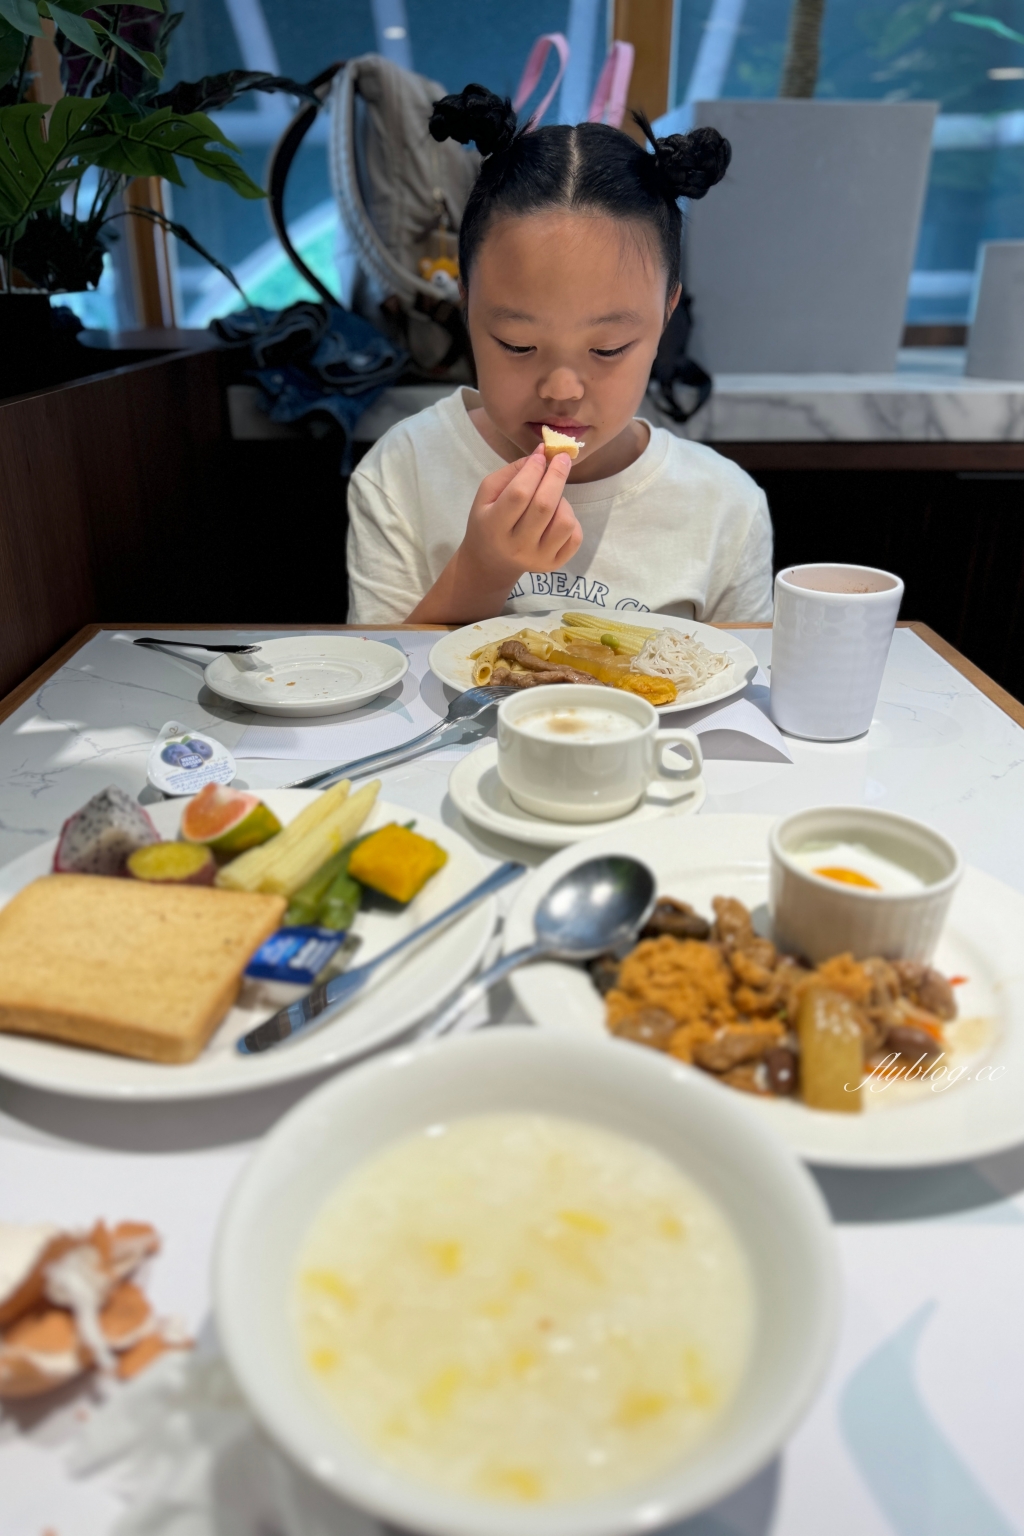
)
(557, 442)
(123, 966)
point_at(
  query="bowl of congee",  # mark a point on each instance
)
(515, 1283)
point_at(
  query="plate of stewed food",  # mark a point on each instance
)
(674, 663)
(855, 986)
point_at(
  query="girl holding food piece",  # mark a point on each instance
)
(569, 254)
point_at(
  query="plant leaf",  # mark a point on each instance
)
(77, 29)
(22, 14)
(214, 91)
(35, 171)
(187, 238)
(989, 23)
(12, 47)
(189, 137)
(149, 61)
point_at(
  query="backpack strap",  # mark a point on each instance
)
(281, 158)
(608, 103)
(534, 68)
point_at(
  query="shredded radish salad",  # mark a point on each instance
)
(684, 661)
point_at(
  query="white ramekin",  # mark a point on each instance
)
(773, 1204)
(816, 917)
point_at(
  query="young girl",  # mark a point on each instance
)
(569, 256)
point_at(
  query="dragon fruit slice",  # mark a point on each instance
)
(98, 839)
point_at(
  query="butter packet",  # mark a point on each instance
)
(295, 954)
(182, 761)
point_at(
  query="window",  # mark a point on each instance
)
(898, 50)
(886, 49)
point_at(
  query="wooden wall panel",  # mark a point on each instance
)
(92, 475)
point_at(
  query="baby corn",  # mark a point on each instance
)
(630, 638)
(297, 863)
(246, 872)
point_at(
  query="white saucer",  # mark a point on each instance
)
(310, 675)
(479, 794)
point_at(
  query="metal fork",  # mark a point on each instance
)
(475, 705)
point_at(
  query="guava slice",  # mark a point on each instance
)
(227, 820)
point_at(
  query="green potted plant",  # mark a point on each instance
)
(111, 120)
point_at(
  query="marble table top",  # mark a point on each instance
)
(916, 1431)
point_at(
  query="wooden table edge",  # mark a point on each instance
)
(24, 691)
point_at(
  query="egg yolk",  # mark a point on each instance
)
(848, 877)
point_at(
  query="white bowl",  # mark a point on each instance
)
(816, 917)
(773, 1204)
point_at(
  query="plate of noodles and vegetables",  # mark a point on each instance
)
(674, 663)
(859, 1061)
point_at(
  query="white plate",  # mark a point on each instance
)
(450, 657)
(907, 1126)
(478, 792)
(310, 675)
(401, 994)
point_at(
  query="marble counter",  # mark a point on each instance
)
(928, 399)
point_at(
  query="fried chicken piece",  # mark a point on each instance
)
(676, 918)
(927, 988)
(749, 1077)
(758, 991)
(733, 1044)
(604, 972)
(733, 928)
(686, 1040)
(648, 1026)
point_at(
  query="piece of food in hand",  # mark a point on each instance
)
(558, 442)
(130, 967)
(831, 1051)
(396, 861)
(67, 1304)
(173, 864)
(228, 820)
(285, 864)
(98, 839)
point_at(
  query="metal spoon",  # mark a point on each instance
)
(476, 704)
(597, 906)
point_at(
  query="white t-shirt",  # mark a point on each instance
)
(681, 531)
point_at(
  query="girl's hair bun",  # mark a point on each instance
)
(690, 164)
(474, 116)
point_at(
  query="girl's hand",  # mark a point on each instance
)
(519, 521)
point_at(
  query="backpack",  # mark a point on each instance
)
(401, 195)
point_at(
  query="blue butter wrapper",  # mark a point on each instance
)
(296, 954)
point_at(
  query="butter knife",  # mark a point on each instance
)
(324, 1001)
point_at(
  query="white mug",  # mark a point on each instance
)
(582, 769)
(830, 639)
